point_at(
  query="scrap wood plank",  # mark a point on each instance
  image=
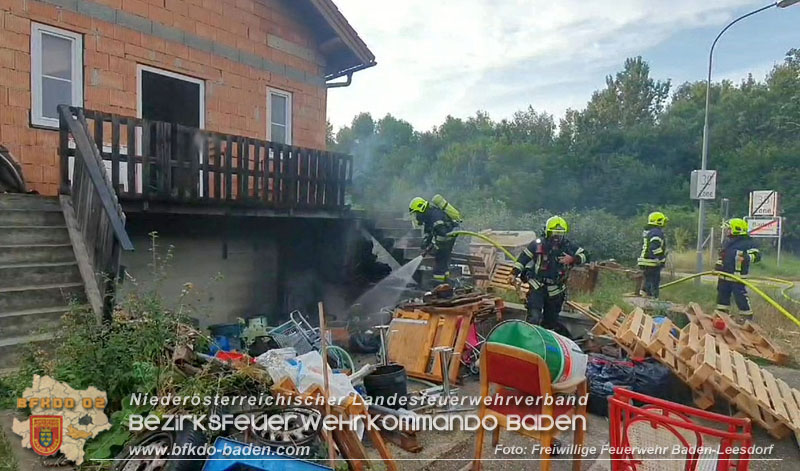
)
(759, 390)
(611, 322)
(762, 342)
(748, 408)
(705, 362)
(775, 396)
(585, 309)
(351, 449)
(406, 340)
(689, 344)
(632, 326)
(703, 397)
(460, 343)
(790, 402)
(445, 337)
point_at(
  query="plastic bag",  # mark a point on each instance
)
(306, 372)
(647, 376)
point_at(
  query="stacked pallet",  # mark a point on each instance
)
(749, 339)
(636, 334)
(709, 366)
(581, 279)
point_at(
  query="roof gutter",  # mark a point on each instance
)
(347, 72)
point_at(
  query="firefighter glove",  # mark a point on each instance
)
(566, 259)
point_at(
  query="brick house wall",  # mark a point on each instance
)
(239, 48)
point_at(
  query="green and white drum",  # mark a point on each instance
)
(563, 357)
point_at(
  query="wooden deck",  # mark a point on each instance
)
(170, 168)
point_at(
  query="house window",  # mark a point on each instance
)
(170, 97)
(279, 126)
(56, 72)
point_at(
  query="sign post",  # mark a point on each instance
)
(780, 236)
(764, 219)
(703, 185)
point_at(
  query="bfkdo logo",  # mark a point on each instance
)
(46, 433)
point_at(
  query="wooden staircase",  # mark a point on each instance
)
(396, 235)
(39, 275)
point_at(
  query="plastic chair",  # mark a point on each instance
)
(518, 373)
(639, 421)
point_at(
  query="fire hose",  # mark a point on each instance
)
(749, 283)
(486, 238)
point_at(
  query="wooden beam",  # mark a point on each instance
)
(82, 256)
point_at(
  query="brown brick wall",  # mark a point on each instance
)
(235, 93)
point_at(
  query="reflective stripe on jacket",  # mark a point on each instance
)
(737, 254)
(654, 248)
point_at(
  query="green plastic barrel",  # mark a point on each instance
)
(534, 339)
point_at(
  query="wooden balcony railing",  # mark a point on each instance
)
(95, 212)
(168, 162)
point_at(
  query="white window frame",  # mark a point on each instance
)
(166, 73)
(288, 95)
(37, 29)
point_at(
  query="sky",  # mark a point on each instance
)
(454, 57)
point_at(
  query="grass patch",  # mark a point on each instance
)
(789, 269)
(686, 262)
(703, 294)
(609, 292)
(8, 462)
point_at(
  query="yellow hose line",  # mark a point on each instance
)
(487, 239)
(745, 282)
(781, 309)
(788, 285)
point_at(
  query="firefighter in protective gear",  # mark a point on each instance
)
(436, 225)
(544, 264)
(736, 255)
(654, 252)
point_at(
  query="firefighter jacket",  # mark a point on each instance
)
(436, 225)
(654, 248)
(737, 254)
(540, 266)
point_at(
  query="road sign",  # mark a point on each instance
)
(763, 203)
(703, 185)
(764, 227)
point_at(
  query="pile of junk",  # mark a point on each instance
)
(276, 376)
(404, 360)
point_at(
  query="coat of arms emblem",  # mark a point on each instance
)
(46, 433)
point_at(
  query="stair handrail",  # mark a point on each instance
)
(72, 119)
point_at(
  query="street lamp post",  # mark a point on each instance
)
(701, 220)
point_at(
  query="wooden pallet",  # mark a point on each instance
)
(748, 339)
(709, 366)
(581, 279)
(636, 334)
(502, 280)
(769, 401)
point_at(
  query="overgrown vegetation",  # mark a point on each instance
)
(629, 151)
(8, 462)
(130, 353)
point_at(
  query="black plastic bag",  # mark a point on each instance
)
(647, 376)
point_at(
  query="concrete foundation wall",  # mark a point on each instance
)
(240, 267)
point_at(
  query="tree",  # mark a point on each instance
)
(630, 149)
